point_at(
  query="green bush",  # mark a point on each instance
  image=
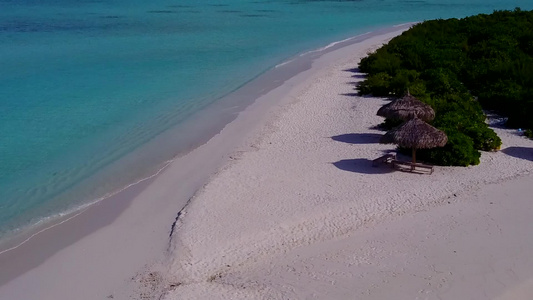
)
(483, 138)
(389, 124)
(384, 62)
(459, 151)
(376, 84)
(442, 81)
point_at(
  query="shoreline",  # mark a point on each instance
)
(96, 187)
(120, 216)
(224, 111)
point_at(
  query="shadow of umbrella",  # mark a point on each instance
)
(358, 138)
(519, 152)
(361, 165)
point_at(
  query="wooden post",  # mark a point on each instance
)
(414, 159)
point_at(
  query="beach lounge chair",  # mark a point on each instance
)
(412, 167)
(385, 159)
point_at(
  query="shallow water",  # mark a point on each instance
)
(84, 84)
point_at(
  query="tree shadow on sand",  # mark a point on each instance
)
(350, 94)
(358, 138)
(362, 165)
(356, 73)
(519, 152)
(352, 70)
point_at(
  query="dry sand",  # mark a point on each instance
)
(300, 213)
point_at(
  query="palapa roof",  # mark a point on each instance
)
(415, 133)
(407, 108)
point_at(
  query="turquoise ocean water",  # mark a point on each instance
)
(86, 83)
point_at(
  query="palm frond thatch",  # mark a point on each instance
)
(415, 134)
(407, 108)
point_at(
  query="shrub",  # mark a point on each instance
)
(442, 81)
(483, 137)
(459, 151)
(376, 84)
(380, 61)
(389, 124)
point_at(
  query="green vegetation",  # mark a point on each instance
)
(529, 133)
(459, 66)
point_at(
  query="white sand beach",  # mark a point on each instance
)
(301, 214)
(118, 248)
(296, 211)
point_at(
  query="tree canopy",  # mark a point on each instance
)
(459, 67)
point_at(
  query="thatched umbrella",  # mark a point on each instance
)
(415, 134)
(407, 108)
